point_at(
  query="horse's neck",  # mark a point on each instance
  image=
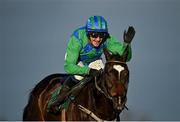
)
(99, 96)
(102, 106)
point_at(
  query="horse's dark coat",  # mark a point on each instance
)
(89, 97)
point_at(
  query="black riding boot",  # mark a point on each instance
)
(60, 99)
(67, 85)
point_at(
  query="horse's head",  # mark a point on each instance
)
(116, 76)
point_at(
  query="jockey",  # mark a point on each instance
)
(85, 46)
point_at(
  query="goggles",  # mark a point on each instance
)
(98, 34)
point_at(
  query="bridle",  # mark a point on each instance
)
(116, 62)
(100, 89)
(105, 93)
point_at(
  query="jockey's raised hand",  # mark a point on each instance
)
(129, 35)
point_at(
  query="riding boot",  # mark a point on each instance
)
(60, 99)
(67, 85)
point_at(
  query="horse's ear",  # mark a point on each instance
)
(107, 54)
(125, 54)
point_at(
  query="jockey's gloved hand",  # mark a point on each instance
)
(95, 72)
(129, 35)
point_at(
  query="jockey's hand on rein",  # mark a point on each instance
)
(95, 72)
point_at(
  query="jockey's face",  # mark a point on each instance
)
(95, 41)
(96, 38)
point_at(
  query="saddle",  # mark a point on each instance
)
(75, 88)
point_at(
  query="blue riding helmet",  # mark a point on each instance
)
(96, 24)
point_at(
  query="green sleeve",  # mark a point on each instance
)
(71, 58)
(114, 46)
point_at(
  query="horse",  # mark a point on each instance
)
(102, 98)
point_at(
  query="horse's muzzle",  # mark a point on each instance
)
(118, 103)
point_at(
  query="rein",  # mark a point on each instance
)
(90, 113)
(100, 90)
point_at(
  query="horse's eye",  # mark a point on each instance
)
(109, 72)
(125, 74)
